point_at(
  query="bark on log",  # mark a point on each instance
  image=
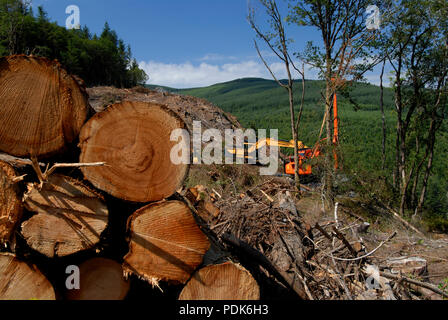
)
(226, 281)
(133, 138)
(10, 203)
(21, 281)
(43, 107)
(100, 279)
(166, 244)
(70, 217)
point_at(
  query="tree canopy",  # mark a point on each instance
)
(98, 60)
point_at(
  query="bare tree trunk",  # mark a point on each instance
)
(432, 137)
(402, 166)
(404, 195)
(294, 135)
(328, 175)
(400, 156)
(328, 154)
(383, 165)
(395, 175)
(281, 50)
(416, 181)
(425, 184)
(398, 107)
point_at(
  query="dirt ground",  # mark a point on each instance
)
(433, 247)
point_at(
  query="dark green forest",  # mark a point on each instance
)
(102, 59)
(259, 103)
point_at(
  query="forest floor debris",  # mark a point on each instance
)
(334, 257)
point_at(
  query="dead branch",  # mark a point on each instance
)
(407, 224)
(364, 256)
(414, 282)
(341, 237)
(48, 172)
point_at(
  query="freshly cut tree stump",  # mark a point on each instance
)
(42, 107)
(10, 203)
(166, 244)
(226, 281)
(70, 217)
(21, 281)
(100, 279)
(133, 138)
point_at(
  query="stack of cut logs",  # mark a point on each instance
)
(122, 153)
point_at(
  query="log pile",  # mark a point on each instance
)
(116, 167)
(112, 182)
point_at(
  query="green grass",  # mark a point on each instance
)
(260, 103)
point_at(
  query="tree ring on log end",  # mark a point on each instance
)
(21, 281)
(10, 203)
(42, 107)
(133, 138)
(70, 217)
(227, 281)
(100, 279)
(166, 244)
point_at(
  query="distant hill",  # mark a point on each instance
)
(260, 103)
(261, 93)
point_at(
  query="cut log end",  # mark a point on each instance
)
(43, 107)
(10, 203)
(100, 279)
(134, 139)
(20, 281)
(69, 217)
(166, 244)
(228, 281)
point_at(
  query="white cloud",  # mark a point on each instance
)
(188, 75)
(217, 57)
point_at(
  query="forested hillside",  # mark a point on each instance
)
(260, 103)
(98, 59)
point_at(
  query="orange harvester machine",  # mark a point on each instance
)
(308, 153)
(305, 153)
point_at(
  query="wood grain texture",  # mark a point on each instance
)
(21, 281)
(70, 217)
(166, 244)
(10, 203)
(227, 281)
(42, 107)
(100, 279)
(133, 138)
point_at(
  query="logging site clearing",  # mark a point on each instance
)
(92, 208)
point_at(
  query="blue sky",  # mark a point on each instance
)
(183, 43)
